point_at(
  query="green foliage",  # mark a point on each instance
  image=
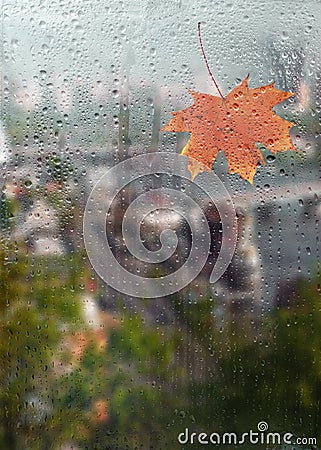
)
(197, 372)
(45, 398)
(228, 376)
(59, 169)
(271, 373)
(6, 212)
(147, 387)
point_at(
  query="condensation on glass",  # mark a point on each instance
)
(84, 87)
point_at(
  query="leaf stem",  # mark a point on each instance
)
(206, 62)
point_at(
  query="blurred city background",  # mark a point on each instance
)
(84, 86)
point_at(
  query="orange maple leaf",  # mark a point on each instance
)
(234, 124)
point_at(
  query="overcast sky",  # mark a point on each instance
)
(158, 43)
(62, 45)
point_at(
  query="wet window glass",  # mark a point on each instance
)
(160, 224)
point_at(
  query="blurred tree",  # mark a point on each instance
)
(6, 212)
(59, 169)
(63, 196)
(271, 372)
(147, 387)
(53, 366)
